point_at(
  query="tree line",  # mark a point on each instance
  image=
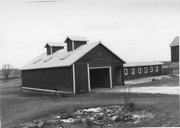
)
(8, 71)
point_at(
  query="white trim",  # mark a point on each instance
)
(132, 71)
(74, 81)
(151, 69)
(89, 84)
(72, 45)
(145, 70)
(51, 49)
(125, 71)
(99, 67)
(156, 68)
(139, 70)
(45, 90)
(110, 73)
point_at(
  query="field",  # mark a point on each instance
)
(17, 107)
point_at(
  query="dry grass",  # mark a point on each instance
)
(17, 107)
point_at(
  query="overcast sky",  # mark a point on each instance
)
(136, 30)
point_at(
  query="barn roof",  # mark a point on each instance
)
(136, 64)
(175, 42)
(61, 58)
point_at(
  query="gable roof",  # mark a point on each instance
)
(175, 42)
(145, 63)
(61, 58)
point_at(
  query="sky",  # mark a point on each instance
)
(136, 30)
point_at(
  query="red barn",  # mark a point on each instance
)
(175, 50)
(76, 67)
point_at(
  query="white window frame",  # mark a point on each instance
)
(151, 69)
(125, 71)
(132, 71)
(156, 68)
(139, 70)
(145, 70)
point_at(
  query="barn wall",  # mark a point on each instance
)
(143, 74)
(175, 54)
(79, 43)
(69, 45)
(81, 77)
(60, 78)
(99, 57)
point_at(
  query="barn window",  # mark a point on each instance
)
(125, 71)
(156, 68)
(151, 69)
(36, 61)
(48, 59)
(139, 70)
(64, 57)
(132, 71)
(145, 69)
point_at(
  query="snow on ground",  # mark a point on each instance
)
(145, 80)
(172, 90)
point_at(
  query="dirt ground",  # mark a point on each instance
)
(17, 107)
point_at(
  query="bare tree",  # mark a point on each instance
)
(6, 70)
(16, 72)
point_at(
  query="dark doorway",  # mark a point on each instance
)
(99, 78)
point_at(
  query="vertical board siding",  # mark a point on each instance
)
(81, 79)
(52, 78)
(100, 57)
(175, 54)
(143, 74)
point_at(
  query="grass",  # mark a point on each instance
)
(17, 107)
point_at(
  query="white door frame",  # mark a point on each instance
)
(88, 71)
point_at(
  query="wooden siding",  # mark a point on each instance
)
(175, 54)
(69, 45)
(48, 50)
(51, 78)
(81, 78)
(76, 44)
(100, 54)
(79, 43)
(99, 57)
(143, 74)
(56, 48)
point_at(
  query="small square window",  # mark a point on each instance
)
(145, 70)
(156, 68)
(132, 71)
(125, 71)
(151, 69)
(139, 70)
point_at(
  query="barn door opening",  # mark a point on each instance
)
(100, 77)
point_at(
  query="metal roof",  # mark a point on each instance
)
(175, 42)
(136, 64)
(60, 58)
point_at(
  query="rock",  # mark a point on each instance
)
(70, 120)
(39, 123)
(52, 121)
(29, 125)
(113, 118)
